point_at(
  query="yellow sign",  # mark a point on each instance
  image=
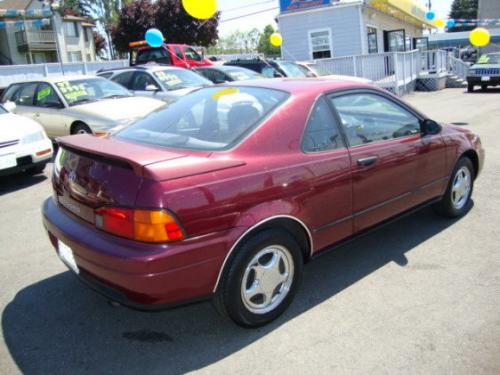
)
(406, 10)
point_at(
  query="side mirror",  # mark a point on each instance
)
(10, 106)
(430, 127)
(152, 88)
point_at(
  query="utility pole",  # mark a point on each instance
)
(54, 7)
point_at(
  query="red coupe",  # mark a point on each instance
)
(227, 192)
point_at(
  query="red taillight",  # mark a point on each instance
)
(140, 225)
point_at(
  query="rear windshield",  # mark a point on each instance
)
(176, 79)
(209, 119)
(160, 55)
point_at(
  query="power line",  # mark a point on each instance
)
(248, 14)
(248, 6)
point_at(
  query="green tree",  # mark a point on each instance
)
(135, 18)
(265, 46)
(463, 9)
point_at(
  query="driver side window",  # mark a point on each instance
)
(47, 97)
(368, 118)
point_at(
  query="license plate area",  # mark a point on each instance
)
(485, 78)
(8, 161)
(66, 255)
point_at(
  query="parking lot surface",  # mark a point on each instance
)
(420, 296)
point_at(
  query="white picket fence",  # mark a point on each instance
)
(18, 73)
(395, 71)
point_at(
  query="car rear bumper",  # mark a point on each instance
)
(493, 81)
(138, 275)
(28, 156)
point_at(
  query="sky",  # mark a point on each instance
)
(232, 9)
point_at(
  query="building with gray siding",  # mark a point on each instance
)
(317, 29)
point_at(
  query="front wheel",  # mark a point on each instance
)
(470, 87)
(81, 128)
(261, 279)
(455, 201)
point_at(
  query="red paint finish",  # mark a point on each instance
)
(217, 196)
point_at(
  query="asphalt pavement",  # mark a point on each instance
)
(420, 296)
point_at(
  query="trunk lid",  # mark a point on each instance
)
(91, 172)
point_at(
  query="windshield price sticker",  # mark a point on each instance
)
(44, 93)
(72, 91)
(168, 79)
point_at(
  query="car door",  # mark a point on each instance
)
(140, 82)
(48, 110)
(327, 162)
(386, 151)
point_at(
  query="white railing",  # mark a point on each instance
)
(395, 71)
(458, 67)
(18, 73)
(434, 62)
(47, 38)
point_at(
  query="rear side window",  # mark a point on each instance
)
(123, 78)
(26, 94)
(153, 54)
(322, 132)
(10, 93)
(208, 119)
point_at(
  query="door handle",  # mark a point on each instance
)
(365, 162)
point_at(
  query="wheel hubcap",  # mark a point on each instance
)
(461, 188)
(267, 279)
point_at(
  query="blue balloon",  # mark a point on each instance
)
(450, 23)
(430, 15)
(154, 37)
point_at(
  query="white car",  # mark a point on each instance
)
(68, 105)
(24, 146)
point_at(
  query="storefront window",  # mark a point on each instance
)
(372, 40)
(320, 42)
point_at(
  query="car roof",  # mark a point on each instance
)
(302, 85)
(145, 67)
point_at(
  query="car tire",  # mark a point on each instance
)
(81, 128)
(484, 87)
(456, 200)
(470, 87)
(261, 279)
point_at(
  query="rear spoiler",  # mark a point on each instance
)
(127, 155)
(145, 161)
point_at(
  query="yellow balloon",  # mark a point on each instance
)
(201, 9)
(439, 23)
(479, 37)
(276, 39)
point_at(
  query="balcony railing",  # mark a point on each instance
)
(40, 39)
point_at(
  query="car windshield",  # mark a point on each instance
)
(489, 58)
(291, 69)
(209, 119)
(2, 110)
(240, 74)
(80, 91)
(176, 79)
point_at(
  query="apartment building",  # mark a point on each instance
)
(31, 33)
